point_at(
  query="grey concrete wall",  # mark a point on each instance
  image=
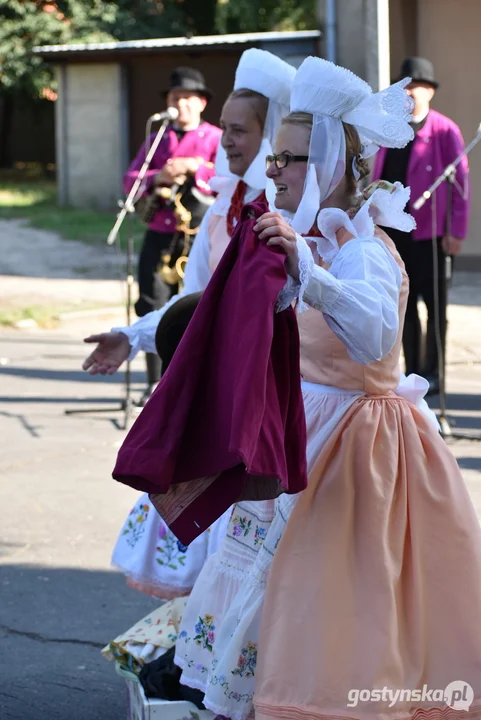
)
(91, 135)
(448, 34)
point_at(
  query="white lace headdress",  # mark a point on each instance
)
(272, 77)
(333, 95)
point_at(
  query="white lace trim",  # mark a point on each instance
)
(382, 119)
(383, 208)
(388, 208)
(287, 295)
(306, 266)
(294, 290)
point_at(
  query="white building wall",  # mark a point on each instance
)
(90, 135)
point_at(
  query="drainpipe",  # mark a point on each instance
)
(331, 30)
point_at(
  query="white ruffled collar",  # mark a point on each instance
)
(225, 188)
(382, 208)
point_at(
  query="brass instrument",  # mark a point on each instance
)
(173, 274)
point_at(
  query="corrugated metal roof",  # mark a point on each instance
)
(187, 42)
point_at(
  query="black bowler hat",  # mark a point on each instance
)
(172, 326)
(419, 69)
(186, 78)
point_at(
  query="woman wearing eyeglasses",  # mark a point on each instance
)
(153, 560)
(368, 581)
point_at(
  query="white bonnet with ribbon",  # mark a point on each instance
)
(267, 74)
(333, 95)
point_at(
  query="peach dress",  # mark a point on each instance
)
(368, 315)
(376, 580)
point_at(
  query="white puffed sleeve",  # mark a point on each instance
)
(359, 294)
(359, 298)
(197, 275)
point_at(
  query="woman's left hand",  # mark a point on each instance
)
(276, 231)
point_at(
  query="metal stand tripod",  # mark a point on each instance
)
(449, 175)
(126, 405)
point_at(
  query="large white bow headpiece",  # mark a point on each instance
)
(334, 95)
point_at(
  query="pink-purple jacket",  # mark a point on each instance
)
(201, 142)
(437, 144)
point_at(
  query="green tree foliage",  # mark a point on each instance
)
(264, 15)
(25, 24)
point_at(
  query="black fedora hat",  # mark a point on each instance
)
(419, 69)
(186, 78)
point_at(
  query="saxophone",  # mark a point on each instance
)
(173, 274)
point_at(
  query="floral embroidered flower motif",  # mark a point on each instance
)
(259, 535)
(246, 664)
(171, 552)
(221, 680)
(242, 526)
(135, 524)
(204, 630)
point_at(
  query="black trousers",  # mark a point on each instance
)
(418, 259)
(152, 294)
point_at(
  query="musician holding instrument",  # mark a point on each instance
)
(181, 168)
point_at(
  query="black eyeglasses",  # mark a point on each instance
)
(283, 159)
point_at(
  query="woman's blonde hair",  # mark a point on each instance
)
(259, 103)
(353, 148)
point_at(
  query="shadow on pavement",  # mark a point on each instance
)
(67, 375)
(469, 463)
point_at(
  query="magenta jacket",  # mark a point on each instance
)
(226, 422)
(437, 144)
(201, 142)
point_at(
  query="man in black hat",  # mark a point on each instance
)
(437, 142)
(185, 154)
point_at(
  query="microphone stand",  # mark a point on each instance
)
(449, 175)
(127, 207)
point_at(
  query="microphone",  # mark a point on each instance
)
(449, 267)
(170, 114)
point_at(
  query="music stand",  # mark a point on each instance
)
(128, 208)
(449, 175)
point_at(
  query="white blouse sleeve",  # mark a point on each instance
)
(141, 334)
(359, 294)
(359, 298)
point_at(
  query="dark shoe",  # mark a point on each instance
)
(433, 385)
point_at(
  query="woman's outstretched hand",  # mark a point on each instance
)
(111, 351)
(272, 228)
